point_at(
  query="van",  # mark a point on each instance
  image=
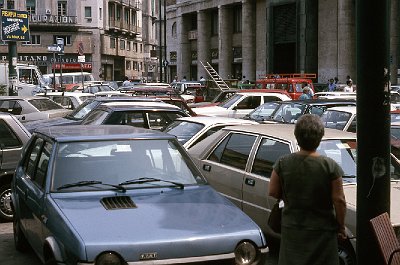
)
(68, 79)
(292, 83)
(29, 80)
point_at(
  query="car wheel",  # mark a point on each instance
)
(20, 242)
(6, 212)
(347, 255)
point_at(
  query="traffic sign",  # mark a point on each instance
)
(81, 58)
(53, 48)
(14, 25)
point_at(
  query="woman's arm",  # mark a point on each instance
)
(275, 189)
(339, 201)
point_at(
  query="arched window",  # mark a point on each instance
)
(173, 29)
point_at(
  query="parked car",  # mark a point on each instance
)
(13, 136)
(335, 95)
(220, 97)
(111, 94)
(290, 111)
(123, 195)
(69, 100)
(341, 118)
(31, 108)
(241, 103)
(238, 160)
(191, 130)
(150, 115)
(77, 115)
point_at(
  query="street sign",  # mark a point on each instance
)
(14, 25)
(81, 58)
(53, 48)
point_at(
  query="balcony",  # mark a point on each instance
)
(136, 5)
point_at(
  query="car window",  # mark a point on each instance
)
(95, 117)
(317, 110)
(10, 106)
(159, 119)
(8, 139)
(66, 102)
(268, 152)
(207, 133)
(263, 112)
(335, 119)
(183, 130)
(230, 101)
(40, 175)
(234, 150)
(86, 107)
(131, 118)
(44, 104)
(249, 102)
(32, 158)
(353, 125)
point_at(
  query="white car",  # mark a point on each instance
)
(191, 130)
(241, 104)
(69, 100)
(335, 95)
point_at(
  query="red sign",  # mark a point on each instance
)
(73, 66)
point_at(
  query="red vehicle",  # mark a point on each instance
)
(292, 83)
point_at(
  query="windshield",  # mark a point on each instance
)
(115, 162)
(263, 112)
(336, 119)
(344, 152)
(83, 109)
(44, 104)
(289, 113)
(230, 101)
(183, 130)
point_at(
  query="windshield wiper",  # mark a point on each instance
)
(146, 180)
(88, 183)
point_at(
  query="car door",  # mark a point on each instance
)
(31, 189)
(256, 202)
(225, 167)
(10, 145)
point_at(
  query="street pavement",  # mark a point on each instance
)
(9, 256)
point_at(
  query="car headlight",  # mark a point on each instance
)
(245, 253)
(108, 258)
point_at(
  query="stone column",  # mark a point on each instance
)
(225, 42)
(203, 42)
(248, 39)
(183, 52)
(261, 39)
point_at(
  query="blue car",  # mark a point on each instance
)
(117, 194)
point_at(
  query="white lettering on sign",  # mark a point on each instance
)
(52, 19)
(11, 28)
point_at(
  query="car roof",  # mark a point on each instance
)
(140, 104)
(22, 97)
(99, 132)
(319, 101)
(67, 94)
(286, 131)
(351, 109)
(210, 120)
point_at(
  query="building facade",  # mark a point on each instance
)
(114, 36)
(253, 38)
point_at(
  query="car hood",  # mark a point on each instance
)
(165, 221)
(32, 125)
(350, 191)
(209, 109)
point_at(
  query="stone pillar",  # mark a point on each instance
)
(394, 43)
(346, 43)
(248, 39)
(225, 42)
(203, 42)
(183, 52)
(261, 39)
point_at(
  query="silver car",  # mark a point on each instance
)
(237, 161)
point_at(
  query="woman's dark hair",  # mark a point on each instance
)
(308, 131)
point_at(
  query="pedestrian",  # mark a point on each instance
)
(183, 79)
(126, 82)
(306, 93)
(349, 86)
(313, 215)
(336, 80)
(202, 80)
(331, 85)
(348, 78)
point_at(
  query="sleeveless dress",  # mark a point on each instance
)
(309, 227)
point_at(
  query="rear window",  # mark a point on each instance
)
(44, 104)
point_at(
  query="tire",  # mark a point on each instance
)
(6, 212)
(20, 241)
(347, 256)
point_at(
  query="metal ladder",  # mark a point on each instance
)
(215, 76)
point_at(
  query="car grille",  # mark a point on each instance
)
(119, 202)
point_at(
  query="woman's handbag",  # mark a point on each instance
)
(275, 217)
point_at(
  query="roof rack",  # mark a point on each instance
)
(291, 75)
